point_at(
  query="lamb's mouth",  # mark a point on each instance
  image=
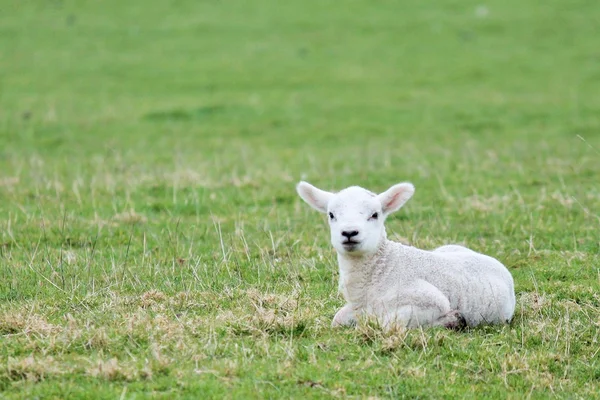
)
(350, 245)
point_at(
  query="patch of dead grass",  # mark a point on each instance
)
(486, 204)
(111, 370)
(152, 297)
(18, 322)
(33, 369)
(271, 314)
(533, 301)
(9, 182)
(130, 217)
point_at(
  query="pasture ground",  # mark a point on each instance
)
(151, 240)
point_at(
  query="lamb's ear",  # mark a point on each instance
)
(395, 197)
(315, 197)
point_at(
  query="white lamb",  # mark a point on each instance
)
(451, 286)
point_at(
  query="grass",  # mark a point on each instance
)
(151, 241)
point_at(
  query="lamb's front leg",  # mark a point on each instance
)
(344, 317)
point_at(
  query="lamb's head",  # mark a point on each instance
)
(356, 215)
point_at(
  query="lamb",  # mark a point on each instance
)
(402, 286)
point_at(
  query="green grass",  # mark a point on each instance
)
(151, 240)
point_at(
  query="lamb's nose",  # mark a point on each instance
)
(349, 234)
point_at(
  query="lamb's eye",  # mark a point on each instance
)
(331, 215)
(375, 215)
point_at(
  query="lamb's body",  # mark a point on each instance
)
(402, 285)
(413, 287)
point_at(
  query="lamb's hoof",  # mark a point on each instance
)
(351, 322)
(344, 317)
(456, 321)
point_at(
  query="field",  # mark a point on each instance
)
(152, 244)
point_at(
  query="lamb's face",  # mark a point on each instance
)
(356, 216)
(356, 221)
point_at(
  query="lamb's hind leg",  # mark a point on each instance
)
(453, 320)
(421, 304)
(413, 317)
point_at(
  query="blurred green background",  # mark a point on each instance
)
(154, 146)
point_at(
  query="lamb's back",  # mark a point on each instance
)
(473, 282)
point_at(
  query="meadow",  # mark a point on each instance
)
(152, 244)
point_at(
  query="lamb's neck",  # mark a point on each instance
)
(356, 273)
